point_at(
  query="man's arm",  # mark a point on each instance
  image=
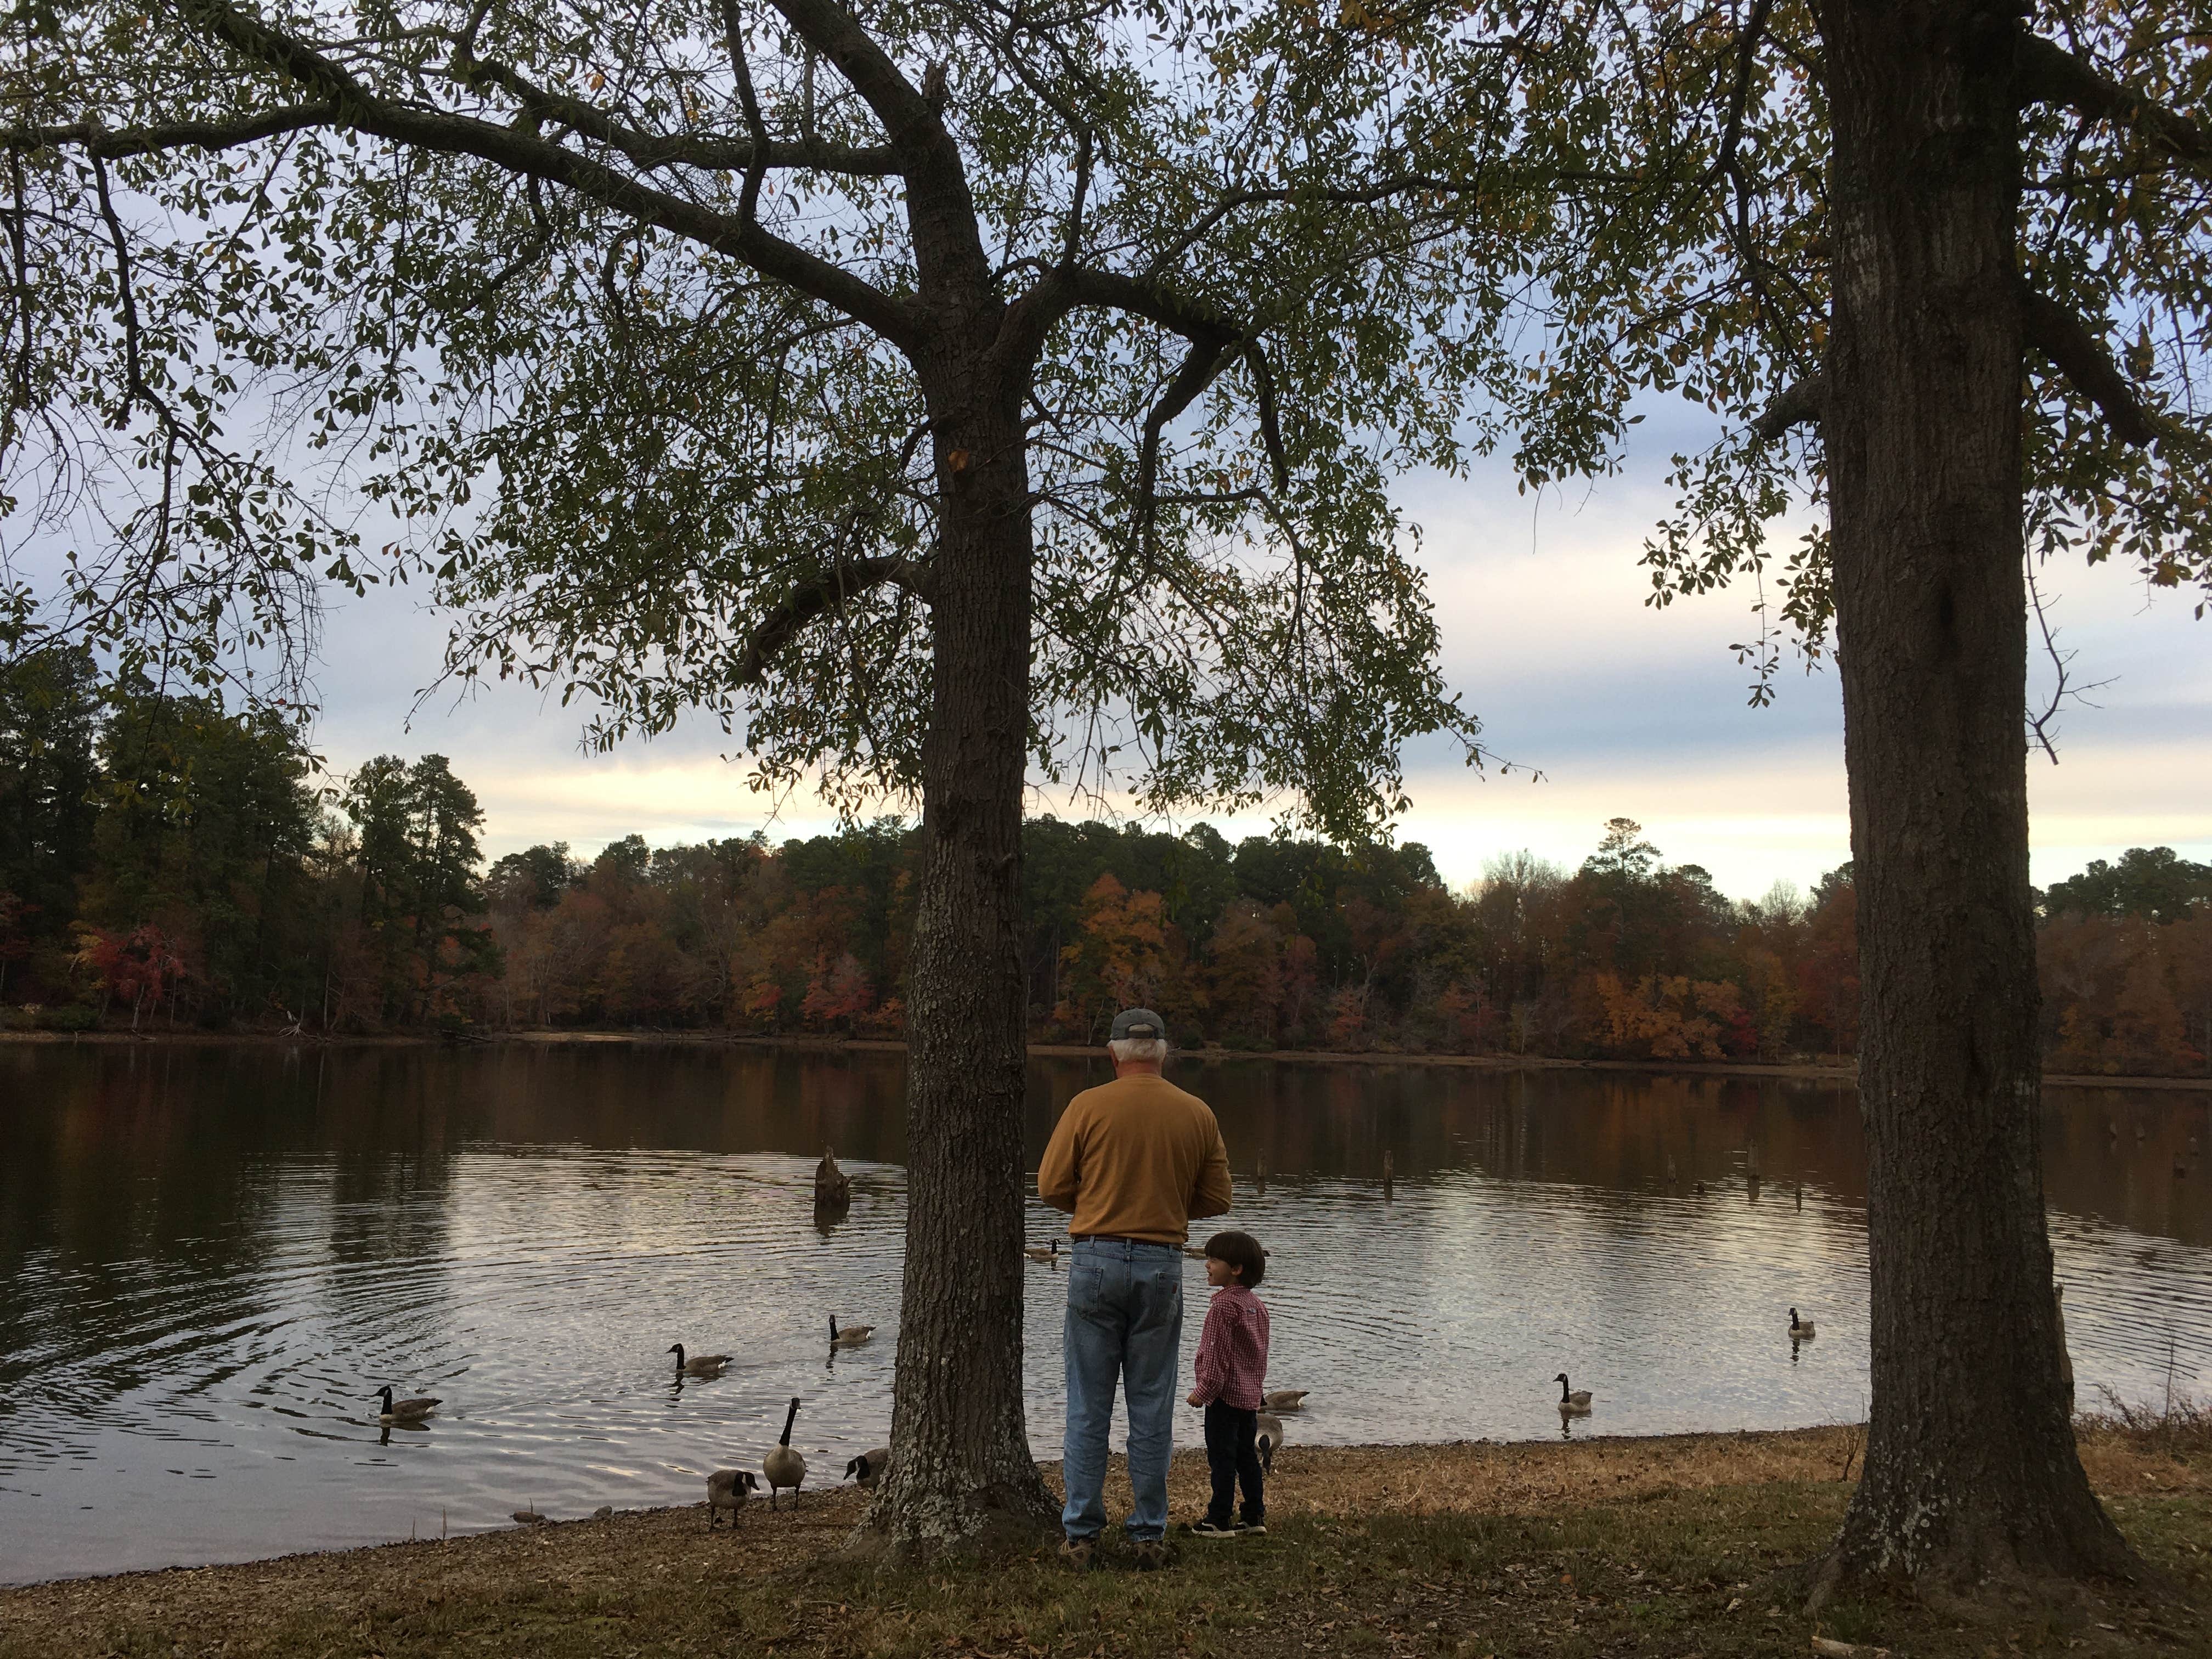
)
(1210, 1195)
(1061, 1173)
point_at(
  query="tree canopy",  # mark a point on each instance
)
(617, 320)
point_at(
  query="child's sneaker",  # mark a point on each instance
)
(1208, 1529)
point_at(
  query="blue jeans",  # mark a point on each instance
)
(1125, 1317)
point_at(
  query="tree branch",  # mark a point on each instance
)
(114, 144)
(1724, 163)
(941, 209)
(523, 152)
(1802, 402)
(847, 579)
(2049, 327)
(1199, 366)
(653, 150)
(2046, 73)
(2080, 356)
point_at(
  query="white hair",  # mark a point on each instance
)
(1138, 1051)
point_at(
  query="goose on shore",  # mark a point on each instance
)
(1801, 1330)
(1285, 1399)
(1573, 1402)
(405, 1411)
(851, 1337)
(1267, 1435)
(868, 1467)
(1039, 1252)
(782, 1466)
(699, 1364)
(727, 1489)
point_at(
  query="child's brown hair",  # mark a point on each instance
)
(1240, 1250)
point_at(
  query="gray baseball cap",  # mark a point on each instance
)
(1136, 1022)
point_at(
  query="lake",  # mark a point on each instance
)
(213, 1255)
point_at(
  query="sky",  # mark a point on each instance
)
(1626, 710)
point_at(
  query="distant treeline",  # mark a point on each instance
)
(163, 861)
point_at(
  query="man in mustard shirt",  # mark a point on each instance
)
(1133, 1161)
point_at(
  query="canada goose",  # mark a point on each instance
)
(1195, 1252)
(1038, 1253)
(1575, 1402)
(851, 1337)
(782, 1466)
(832, 1185)
(699, 1364)
(1801, 1330)
(727, 1489)
(1285, 1399)
(404, 1411)
(531, 1518)
(868, 1467)
(1267, 1434)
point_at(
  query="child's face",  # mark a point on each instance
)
(1219, 1272)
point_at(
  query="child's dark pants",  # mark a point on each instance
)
(1232, 1455)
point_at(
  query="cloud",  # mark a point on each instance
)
(1626, 709)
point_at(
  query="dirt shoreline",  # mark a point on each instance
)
(1462, 1477)
(1648, 1534)
(1810, 1071)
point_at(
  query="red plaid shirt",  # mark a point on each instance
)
(1232, 1350)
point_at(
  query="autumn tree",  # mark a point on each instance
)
(933, 395)
(1938, 269)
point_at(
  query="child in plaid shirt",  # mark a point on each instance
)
(1232, 1372)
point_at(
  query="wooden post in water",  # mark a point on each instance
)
(1389, 1172)
(1259, 1172)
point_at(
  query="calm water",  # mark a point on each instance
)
(211, 1256)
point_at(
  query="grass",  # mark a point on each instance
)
(1606, 1547)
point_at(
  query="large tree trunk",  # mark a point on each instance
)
(1971, 1470)
(961, 1475)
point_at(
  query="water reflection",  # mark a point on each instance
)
(213, 1257)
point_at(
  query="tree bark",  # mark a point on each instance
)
(1972, 1474)
(962, 1475)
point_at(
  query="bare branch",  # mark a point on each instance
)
(2061, 662)
(2046, 73)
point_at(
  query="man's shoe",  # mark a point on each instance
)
(1209, 1529)
(1081, 1553)
(1251, 1530)
(1151, 1554)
